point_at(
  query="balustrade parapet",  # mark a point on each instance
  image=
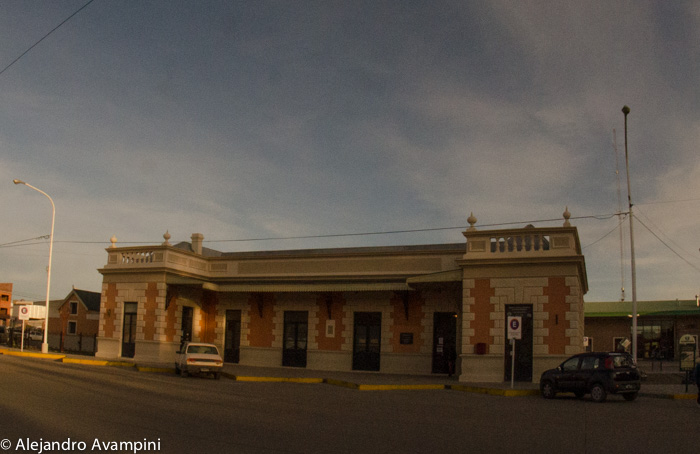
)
(153, 256)
(523, 242)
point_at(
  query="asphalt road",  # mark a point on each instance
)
(48, 402)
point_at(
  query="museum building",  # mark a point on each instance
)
(416, 309)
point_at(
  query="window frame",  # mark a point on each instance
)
(74, 324)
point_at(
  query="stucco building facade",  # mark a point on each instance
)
(5, 303)
(399, 309)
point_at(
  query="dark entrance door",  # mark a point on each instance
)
(129, 332)
(444, 342)
(296, 325)
(232, 340)
(367, 341)
(187, 321)
(523, 346)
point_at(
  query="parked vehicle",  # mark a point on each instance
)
(597, 374)
(196, 358)
(3, 335)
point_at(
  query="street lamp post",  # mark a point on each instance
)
(626, 111)
(45, 344)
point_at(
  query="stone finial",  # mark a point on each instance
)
(166, 237)
(472, 221)
(113, 240)
(567, 216)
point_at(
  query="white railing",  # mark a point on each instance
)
(131, 258)
(520, 243)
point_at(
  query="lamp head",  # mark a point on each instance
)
(18, 182)
(625, 110)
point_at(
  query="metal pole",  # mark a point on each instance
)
(512, 364)
(45, 344)
(21, 342)
(626, 111)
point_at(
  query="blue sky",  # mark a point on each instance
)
(261, 119)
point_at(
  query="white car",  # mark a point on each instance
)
(197, 357)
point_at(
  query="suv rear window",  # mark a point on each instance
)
(621, 361)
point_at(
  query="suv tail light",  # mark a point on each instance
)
(609, 363)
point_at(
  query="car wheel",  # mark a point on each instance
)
(177, 369)
(217, 375)
(183, 373)
(629, 397)
(547, 389)
(598, 393)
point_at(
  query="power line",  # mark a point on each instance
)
(44, 37)
(392, 232)
(26, 296)
(619, 224)
(599, 217)
(656, 227)
(666, 244)
(43, 237)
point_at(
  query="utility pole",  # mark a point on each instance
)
(626, 111)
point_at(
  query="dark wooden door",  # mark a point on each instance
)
(129, 330)
(232, 340)
(523, 346)
(367, 341)
(444, 342)
(296, 327)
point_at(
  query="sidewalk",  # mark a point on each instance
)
(667, 384)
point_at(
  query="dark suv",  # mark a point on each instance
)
(599, 374)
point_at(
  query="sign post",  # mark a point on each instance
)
(687, 349)
(24, 316)
(515, 330)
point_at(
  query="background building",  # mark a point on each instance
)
(660, 324)
(73, 322)
(5, 304)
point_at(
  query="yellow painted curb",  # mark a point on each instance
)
(120, 364)
(277, 379)
(91, 362)
(398, 387)
(495, 391)
(156, 369)
(684, 396)
(34, 355)
(350, 385)
(97, 362)
(670, 396)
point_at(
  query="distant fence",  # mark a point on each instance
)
(74, 343)
(69, 343)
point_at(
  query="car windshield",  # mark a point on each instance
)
(206, 349)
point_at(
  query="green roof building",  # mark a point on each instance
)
(660, 324)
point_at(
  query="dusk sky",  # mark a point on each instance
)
(243, 120)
